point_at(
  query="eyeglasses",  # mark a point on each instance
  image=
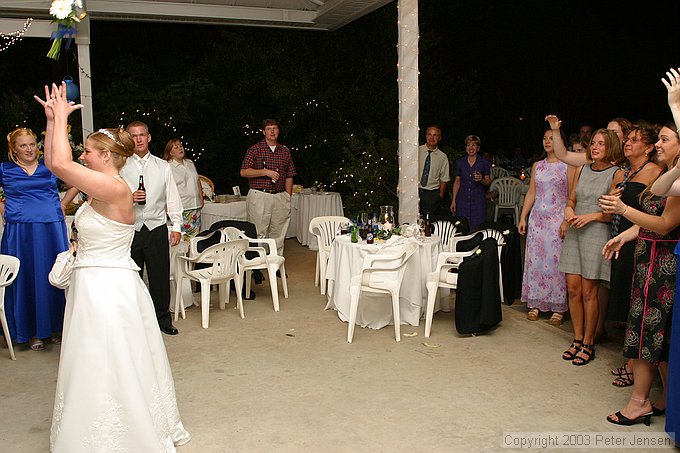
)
(632, 141)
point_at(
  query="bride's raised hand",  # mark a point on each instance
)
(554, 122)
(46, 103)
(61, 105)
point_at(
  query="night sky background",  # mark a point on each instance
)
(492, 68)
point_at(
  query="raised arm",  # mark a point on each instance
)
(668, 184)
(58, 156)
(673, 87)
(573, 159)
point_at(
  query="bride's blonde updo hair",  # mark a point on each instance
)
(118, 141)
(12, 141)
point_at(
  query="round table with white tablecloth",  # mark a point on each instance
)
(304, 207)
(315, 204)
(214, 212)
(375, 310)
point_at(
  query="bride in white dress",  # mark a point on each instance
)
(115, 391)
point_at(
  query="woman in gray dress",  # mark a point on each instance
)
(589, 231)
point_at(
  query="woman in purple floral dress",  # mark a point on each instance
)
(544, 288)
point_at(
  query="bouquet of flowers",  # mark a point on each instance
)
(65, 13)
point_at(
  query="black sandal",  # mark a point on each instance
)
(623, 369)
(625, 379)
(588, 350)
(576, 346)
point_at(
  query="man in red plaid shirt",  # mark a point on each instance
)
(269, 168)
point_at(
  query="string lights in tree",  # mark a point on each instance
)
(9, 39)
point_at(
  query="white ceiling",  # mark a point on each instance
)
(325, 15)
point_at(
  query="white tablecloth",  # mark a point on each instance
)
(214, 212)
(375, 310)
(303, 208)
(314, 204)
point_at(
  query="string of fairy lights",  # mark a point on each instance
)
(9, 39)
(167, 122)
(407, 68)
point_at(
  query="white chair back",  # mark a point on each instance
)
(381, 272)
(445, 229)
(509, 190)
(223, 259)
(499, 172)
(325, 228)
(9, 269)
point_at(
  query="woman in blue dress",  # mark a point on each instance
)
(473, 176)
(35, 233)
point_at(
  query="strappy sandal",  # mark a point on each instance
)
(556, 319)
(36, 344)
(588, 350)
(625, 379)
(533, 314)
(623, 369)
(576, 346)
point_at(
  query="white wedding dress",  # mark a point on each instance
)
(115, 391)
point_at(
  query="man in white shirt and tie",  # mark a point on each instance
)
(433, 169)
(150, 243)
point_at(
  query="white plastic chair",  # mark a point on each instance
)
(499, 172)
(380, 273)
(176, 263)
(267, 258)
(500, 240)
(325, 228)
(9, 269)
(442, 278)
(445, 229)
(509, 190)
(224, 258)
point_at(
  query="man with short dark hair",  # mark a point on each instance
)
(269, 168)
(153, 206)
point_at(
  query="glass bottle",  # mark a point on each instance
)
(143, 189)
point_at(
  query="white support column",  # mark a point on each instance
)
(407, 188)
(84, 72)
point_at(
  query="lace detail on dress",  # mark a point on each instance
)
(166, 417)
(56, 419)
(108, 430)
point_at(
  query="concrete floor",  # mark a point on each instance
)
(289, 381)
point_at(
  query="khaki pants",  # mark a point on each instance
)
(270, 213)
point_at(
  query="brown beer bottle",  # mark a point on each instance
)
(142, 188)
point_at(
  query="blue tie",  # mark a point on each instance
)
(426, 171)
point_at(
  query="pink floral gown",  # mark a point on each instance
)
(543, 286)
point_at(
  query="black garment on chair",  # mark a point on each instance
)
(478, 297)
(247, 227)
(511, 260)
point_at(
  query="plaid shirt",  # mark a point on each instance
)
(260, 156)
